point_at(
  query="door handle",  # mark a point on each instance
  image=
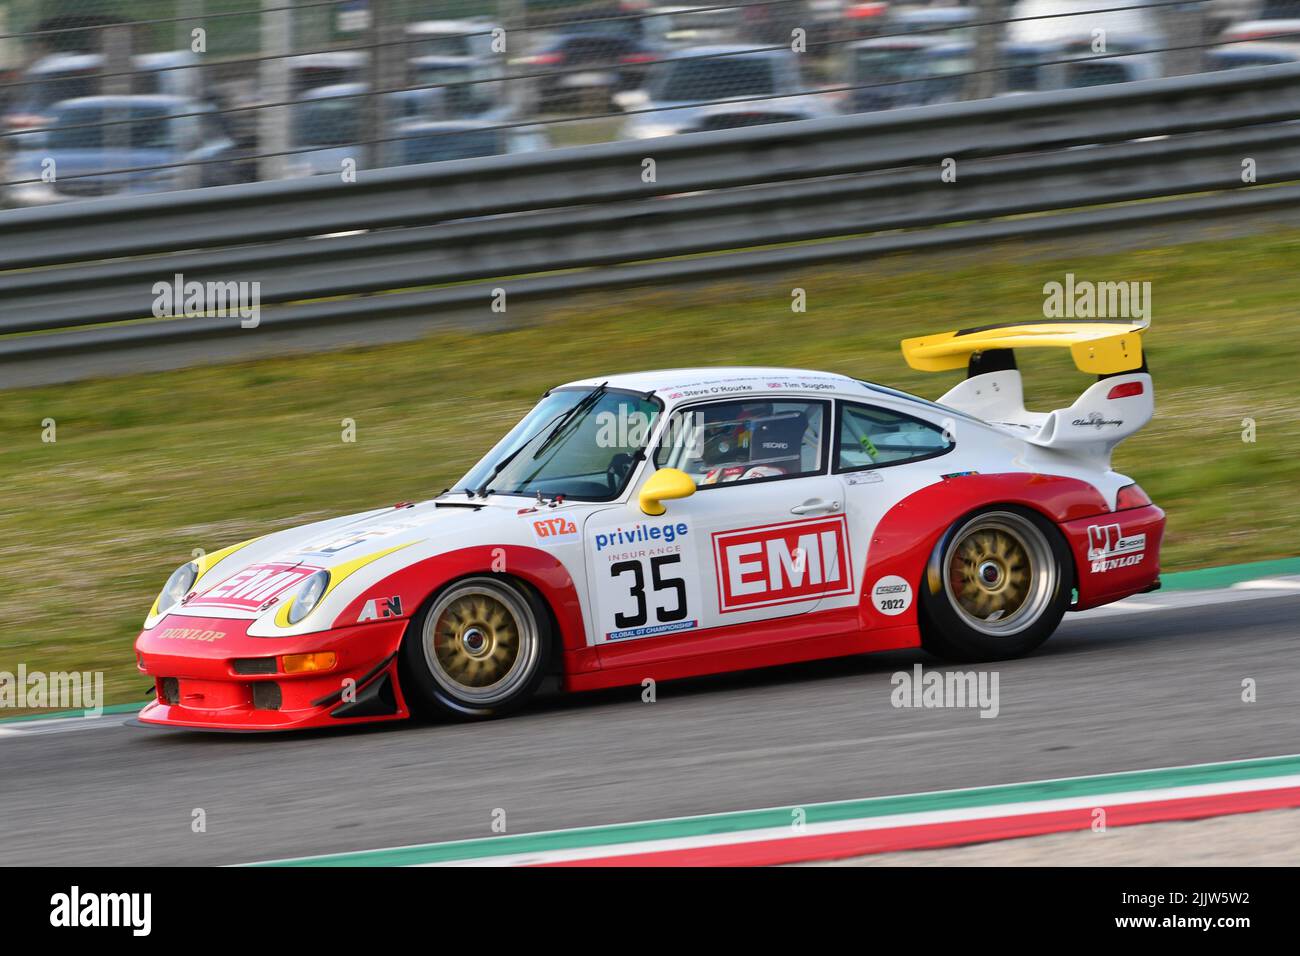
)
(815, 506)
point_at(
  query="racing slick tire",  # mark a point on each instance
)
(997, 585)
(479, 647)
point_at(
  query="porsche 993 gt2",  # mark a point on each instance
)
(674, 523)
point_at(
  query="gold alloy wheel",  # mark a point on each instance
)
(1000, 574)
(990, 574)
(480, 641)
(476, 640)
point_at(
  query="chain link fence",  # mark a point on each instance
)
(106, 97)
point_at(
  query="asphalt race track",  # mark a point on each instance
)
(1111, 692)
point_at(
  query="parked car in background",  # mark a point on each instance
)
(1275, 31)
(1126, 26)
(676, 28)
(891, 72)
(770, 22)
(66, 76)
(588, 61)
(945, 23)
(1254, 53)
(327, 125)
(460, 38)
(88, 159)
(422, 141)
(682, 93)
(1085, 67)
(313, 70)
(865, 20)
(471, 85)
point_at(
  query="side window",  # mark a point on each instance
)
(871, 436)
(728, 442)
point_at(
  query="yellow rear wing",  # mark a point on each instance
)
(1102, 347)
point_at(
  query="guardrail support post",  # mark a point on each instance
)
(273, 81)
(986, 81)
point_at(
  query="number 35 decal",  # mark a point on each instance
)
(645, 578)
(661, 583)
(661, 608)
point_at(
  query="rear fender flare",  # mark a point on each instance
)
(907, 539)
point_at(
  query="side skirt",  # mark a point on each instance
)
(808, 637)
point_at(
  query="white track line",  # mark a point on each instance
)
(888, 822)
(63, 725)
(1180, 600)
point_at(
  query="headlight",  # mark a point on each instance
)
(308, 596)
(177, 586)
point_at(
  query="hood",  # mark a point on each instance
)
(254, 579)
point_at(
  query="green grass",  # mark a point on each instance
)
(147, 468)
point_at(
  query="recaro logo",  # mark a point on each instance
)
(782, 563)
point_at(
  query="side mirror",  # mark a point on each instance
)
(663, 485)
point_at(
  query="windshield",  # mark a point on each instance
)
(329, 122)
(581, 443)
(878, 64)
(61, 86)
(74, 127)
(445, 44)
(466, 90)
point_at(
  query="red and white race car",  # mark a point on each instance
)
(682, 522)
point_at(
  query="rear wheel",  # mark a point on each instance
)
(478, 648)
(998, 585)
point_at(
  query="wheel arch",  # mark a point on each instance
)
(932, 573)
(539, 571)
(907, 536)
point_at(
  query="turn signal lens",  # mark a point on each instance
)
(1131, 496)
(307, 663)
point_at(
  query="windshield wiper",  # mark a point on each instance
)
(585, 402)
(499, 467)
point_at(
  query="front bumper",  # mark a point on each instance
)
(209, 673)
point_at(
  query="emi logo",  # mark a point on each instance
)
(782, 563)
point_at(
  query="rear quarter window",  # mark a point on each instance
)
(870, 436)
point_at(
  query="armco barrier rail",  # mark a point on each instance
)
(547, 225)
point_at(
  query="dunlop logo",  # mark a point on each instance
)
(190, 634)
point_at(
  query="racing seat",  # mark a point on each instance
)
(778, 442)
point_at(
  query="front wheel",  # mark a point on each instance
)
(997, 586)
(478, 648)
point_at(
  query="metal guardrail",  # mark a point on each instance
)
(552, 224)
